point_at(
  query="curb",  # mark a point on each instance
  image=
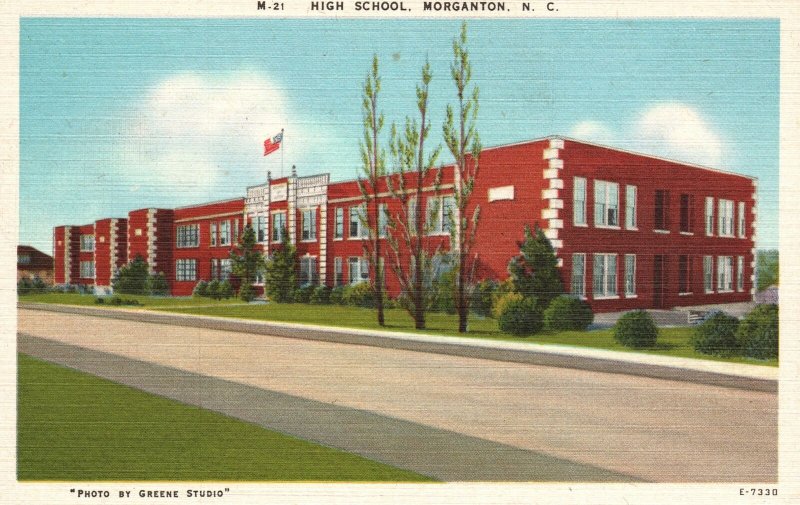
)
(747, 377)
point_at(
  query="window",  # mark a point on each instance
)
(605, 275)
(578, 275)
(740, 273)
(309, 231)
(630, 275)
(725, 218)
(87, 269)
(440, 214)
(213, 234)
(630, 207)
(708, 274)
(725, 273)
(188, 235)
(684, 274)
(662, 210)
(259, 280)
(278, 226)
(687, 213)
(741, 220)
(261, 228)
(606, 203)
(383, 219)
(358, 221)
(225, 269)
(225, 233)
(236, 230)
(709, 216)
(214, 269)
(338, 229)
(186, 270)
(359, 270)
(412, 216)
(338, 271)
(579, 201)
(24, 259)
(87, 243)
(308, 270)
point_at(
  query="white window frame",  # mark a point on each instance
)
(689, 275)
(630, 276)
(358, 217)
(338, 224)
(87, 243)
(709, 216)
(724, 274)
(578, 279)
(87, 269)
(708, 274)
(579, 201)
(309, 225)
(308, 271)
(726, 218)
(742, 220)
(186, 270)
(338, 271)
(225, 233)
(225, 269)
(603, 205)
(357, 270)
(412, 222)
(631, 194)
(187, 236)
(213, 231)
(261, 228)
(609, 276)
(439, 214)
(740, 273)
(278, 229)
(383, 219)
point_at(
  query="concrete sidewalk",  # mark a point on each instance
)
(734, 375)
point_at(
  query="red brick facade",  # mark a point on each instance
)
(629, 230)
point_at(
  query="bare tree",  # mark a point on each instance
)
(410, 252)
(374, 166)
(462, 140)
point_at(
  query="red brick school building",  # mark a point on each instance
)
(629, 230)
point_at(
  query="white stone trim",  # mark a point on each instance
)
(291, 207)
(67, 254)
(551, 233)
(556, 224)
(550, 173)
(557, 244)
(500, 193)
(560, 262)
(151, 240)
(556, 203)
(549, 154)
(549, 194)
(555, 163)
(549, 213)
(557, 143)
(323, 243)
(556, 184)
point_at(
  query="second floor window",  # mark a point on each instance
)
(358, 218)
(725, 225)
(741, 220)
(338, 229)
(687, 213)
(606, 203)
(261, 228)
(661, 210)
(309, 231)
(383, 219)
(224, 233)
(278, 226)
(630, 207)
(188, 235)
(579, 201)
(213, 230)
(440, 214)
(87, 243)
(709, 216)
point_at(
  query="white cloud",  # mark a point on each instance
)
(593, 131)
(193, 135)
(679, 131)
(672, 130)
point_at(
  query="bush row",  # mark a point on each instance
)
(216, 290)
(29, 286)
(756, 336)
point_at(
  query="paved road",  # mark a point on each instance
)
(633, 427)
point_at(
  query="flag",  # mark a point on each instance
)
(273, 144)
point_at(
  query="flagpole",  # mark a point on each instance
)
(283, 148)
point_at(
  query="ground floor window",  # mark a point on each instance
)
(740, 273)
(605, 275)
(87, 269)
(630, 275)
(725, 273)
(358, 270)
(578, 284)
(308, 270)
(684, 274)
(708, 274)
(186, 270)
(338, 272)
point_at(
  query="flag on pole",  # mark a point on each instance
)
(273, 144)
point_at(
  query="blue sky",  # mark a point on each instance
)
(125, 114)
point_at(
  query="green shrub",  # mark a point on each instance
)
(247, 292)
(757, 335)
(338, 294)
(132, 278)
(201, 289)
(24, 286)
(116, 300)
(568, 313)
(520, 316)
(225, 290)
(443, 293)
(636, 329)
(156, 285)
(500, 303)
(303, 294)
(482, 298)
(359, 295)
(212, 291)
(717, 335)
(321, 295)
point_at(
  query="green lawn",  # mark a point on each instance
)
(145, 301)
(73, 426)
(671, 341)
